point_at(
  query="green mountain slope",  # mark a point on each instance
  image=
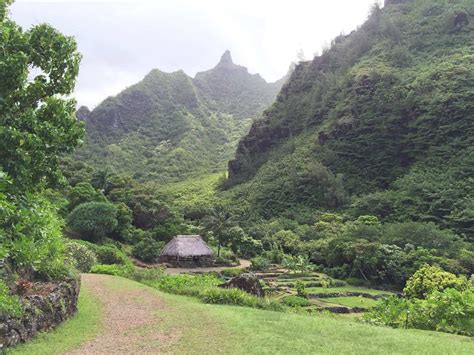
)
(170, 126)
(382, 119)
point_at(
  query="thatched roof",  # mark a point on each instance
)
(186, 246)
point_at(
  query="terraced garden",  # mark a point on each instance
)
(323, 292)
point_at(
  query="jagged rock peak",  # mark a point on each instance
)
(226, 59)
(83, 113)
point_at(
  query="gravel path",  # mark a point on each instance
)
(131, 320)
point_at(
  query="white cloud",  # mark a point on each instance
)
(123, 40)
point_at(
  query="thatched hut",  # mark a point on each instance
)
(187, 251)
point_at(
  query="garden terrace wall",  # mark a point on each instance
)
(46, 305)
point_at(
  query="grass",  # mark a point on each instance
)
(202, 328)
(85, 325)
(352, 301)
(342, 289)
(263, 332)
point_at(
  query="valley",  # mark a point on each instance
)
(330, 211)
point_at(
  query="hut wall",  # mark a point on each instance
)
(187, 262)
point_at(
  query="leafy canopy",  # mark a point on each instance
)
(38, 69)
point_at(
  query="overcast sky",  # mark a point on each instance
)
(121, 41)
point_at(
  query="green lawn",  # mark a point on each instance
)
(370, 291)
(206, 328)
(85, 325)
(352, 301)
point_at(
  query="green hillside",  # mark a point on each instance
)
(382, 120)
(170, 126)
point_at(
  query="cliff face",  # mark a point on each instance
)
(169, 125)
(383, 119)
(379, 100)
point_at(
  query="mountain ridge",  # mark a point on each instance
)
(205, 114)
(377, 116)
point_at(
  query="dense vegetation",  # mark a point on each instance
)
(361, 170)
(380, 122)
(37, 127)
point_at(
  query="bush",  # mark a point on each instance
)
(9, 305)
(431, 278)
(147, 250)
(296, 301)
(36, 244)
(259, 263)
(143, 275)
(232, 296)
(297, 263)
(93, 220)
(227, 257)
(300, 289)
(188, 285)
(83, 192)
(109, 254)
(449, 310)
(270, 305)
(275, 255)
(80, 256)
(115, 270)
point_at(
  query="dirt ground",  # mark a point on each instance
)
(130, 316)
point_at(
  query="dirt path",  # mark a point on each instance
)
(131, 321)
(175, 271)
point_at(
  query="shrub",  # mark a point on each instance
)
(143, 275)
(110, 254)
(9, 305)
(297, 263)
(124, 222)
(84, 192)
(80, 256)
(147, 250)
(296, 301)
(287, 241)
(221, 261)
(93, 220)
(115, 270)
(431, 278)
(259, 263)
(275, 255)
(449, 310)
(36, 243)
(300, 289)
(270, 305)
(231, 296)
(226, 258)
(188, 285)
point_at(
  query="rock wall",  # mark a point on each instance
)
(44, 308)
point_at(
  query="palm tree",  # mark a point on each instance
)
(218, 221)
(101, 180)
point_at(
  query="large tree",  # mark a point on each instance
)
(38, 69)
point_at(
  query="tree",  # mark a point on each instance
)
(84, 192)
(218, 222)
(93, 220)
(432, 278)
(37, 122)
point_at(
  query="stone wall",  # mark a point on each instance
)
(45, 306)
